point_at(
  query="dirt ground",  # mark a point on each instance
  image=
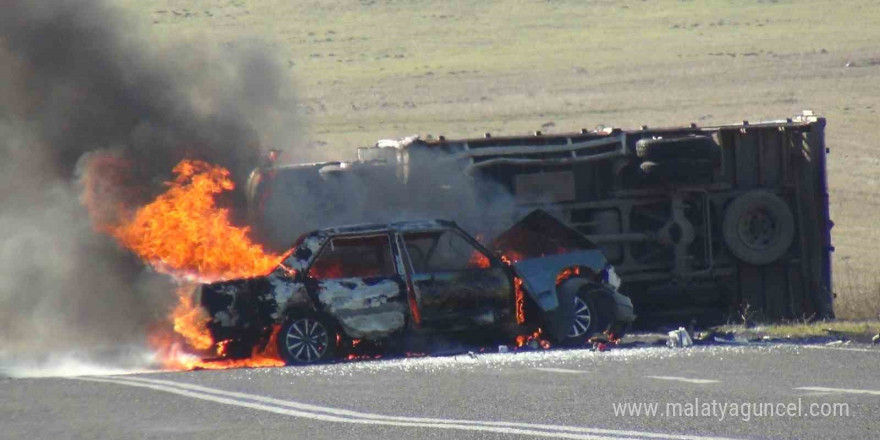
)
(370, 69)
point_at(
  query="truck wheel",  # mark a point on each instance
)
(758, 227)
(680, 170)
(688, 147)
(309, 338)
(592, 314)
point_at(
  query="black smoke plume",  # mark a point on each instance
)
(80, 81)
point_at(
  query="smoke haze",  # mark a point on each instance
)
(95, 114)
(80, 83)
(303, 198)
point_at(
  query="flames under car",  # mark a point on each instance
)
(395, 282)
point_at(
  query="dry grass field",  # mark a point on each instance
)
(370, 69)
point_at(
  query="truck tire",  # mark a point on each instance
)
(758, 227)
(307, 338)
(681, 170)
(688, 147)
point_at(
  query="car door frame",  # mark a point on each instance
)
(416, 300)
(344, 313)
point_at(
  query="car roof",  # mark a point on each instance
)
(402, 226)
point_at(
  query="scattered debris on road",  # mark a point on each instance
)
(679, 338)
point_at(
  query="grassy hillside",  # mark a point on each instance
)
(369, 69)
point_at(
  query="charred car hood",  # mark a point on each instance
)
(540, 247)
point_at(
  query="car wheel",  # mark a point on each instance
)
(758, 227)
(307, 339)
(592, 314)
(583, 318)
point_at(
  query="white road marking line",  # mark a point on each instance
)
(840, 390)
(825, 347)
(685, 379)
(329, 414)
(560, 370)
(818, 394)
(364, 421)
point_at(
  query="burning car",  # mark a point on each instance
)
(384, 282)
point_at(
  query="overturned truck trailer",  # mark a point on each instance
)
(704, 223)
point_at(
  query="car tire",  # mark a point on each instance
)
(693, 147)
(308, 338)
(758, 227)
(593, 313)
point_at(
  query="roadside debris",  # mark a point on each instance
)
(604, 341)
(704, 336)
(773, 339)
(735, 340)
(533, 341)
(679, 338)
(837, 334)
(838, 342)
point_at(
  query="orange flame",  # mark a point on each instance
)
(568, 273)
(519, 300)
(523, 340)
(478, 260)
(190, 321)
(362, 357)
(519, 295)
(174, 357)
(511, 257)
(185, 234)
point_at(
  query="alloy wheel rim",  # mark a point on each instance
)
(306, 340)
(582, 318)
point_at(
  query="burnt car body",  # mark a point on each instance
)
(383, 282)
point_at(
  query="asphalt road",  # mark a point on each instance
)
(565, 394)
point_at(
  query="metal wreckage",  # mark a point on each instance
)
(700, 224)
(409, 280)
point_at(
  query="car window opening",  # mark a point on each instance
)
(443, 251)
(354, 257)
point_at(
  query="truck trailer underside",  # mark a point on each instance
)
(706, 223)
